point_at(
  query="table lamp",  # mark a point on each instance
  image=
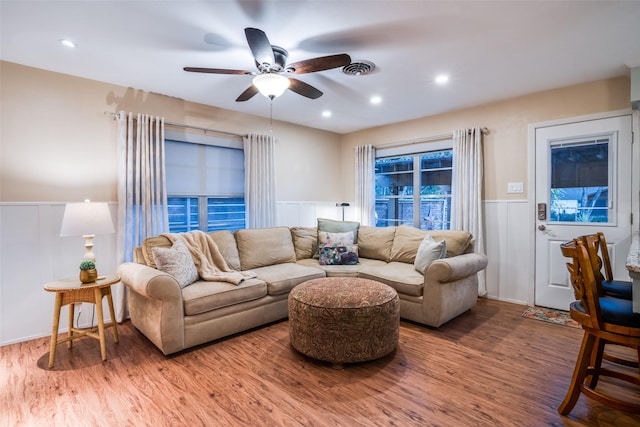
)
(86, 219)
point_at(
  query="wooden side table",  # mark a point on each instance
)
(70, 291)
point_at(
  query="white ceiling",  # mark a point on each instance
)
(491, 49)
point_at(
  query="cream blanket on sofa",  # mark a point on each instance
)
(206, 256)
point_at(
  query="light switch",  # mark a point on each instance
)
(515, 187)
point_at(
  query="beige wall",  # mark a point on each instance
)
(505, 149)
(56, 143)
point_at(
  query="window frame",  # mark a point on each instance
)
(203, 199)
(416, 150)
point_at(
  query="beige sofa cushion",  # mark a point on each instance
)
(375, 242)
(406, 242)
(228, 248)
(260, 247)
(408, 239)
(457, 240)
(202, 296)
(224, 239)
(399, 275)
(305, 241)
(282, 278)
(342, 270)
(153, 242)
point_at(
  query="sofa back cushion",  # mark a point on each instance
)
(305, 241)
(153, 242)
(138, 257)
(406, 243)
(457, 240)
(375, 242)
(227, 244)
(260, 247)
(408, 239)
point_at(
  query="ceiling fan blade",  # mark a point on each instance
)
(320, 64)
(215, 70)
(260, 46)
(304, 89)
(249, 93)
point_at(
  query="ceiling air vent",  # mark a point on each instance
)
(359, 68)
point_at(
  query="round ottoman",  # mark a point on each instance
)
(344, 319)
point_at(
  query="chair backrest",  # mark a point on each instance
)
(592, 243)
(606, 261)
(584, 282)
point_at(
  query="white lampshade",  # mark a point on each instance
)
(86, 219)
(81, 219)
(271, 85)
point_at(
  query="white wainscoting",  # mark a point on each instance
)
(507, 240)
(32, 253)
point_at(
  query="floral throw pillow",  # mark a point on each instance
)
(339, 255)
(326, 238)
(176, 261)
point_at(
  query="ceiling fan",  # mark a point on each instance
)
(271, 61)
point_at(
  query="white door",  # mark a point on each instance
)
(582, 186)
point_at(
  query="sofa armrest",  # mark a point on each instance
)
(155, 305)
(455, 268)
(149, 282)
(451, 287)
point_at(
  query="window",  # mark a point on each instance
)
(580, 181)
(397, 202)
(205, 184)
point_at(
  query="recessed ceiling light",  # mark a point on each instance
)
(442, 79)
(375, 100)
(67, 43)
(326, 113)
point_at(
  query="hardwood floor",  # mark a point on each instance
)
(489, 367)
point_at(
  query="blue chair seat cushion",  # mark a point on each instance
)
(615, 311)
(617, 289)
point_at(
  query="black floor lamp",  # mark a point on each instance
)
(342, 205)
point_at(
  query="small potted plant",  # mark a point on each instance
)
(88, 272)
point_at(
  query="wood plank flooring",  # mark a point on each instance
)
(489, 367)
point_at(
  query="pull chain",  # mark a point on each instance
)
(271, 115)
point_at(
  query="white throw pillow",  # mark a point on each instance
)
(429, 251)
(176, 261)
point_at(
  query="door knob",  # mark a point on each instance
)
(542, 227)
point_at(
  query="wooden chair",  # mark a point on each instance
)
(596, 245)
(613, 288)
(605, 321)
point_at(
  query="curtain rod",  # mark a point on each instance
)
(485, 131)
(180, 125)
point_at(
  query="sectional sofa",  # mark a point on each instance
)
(175, 318)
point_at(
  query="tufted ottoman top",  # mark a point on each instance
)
(343, 292)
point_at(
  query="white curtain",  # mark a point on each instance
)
(365, 184)
(260, 180)
(467, 190)
(142, 196)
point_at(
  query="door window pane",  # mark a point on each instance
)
(579, 190)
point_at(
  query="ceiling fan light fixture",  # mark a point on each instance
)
(271, 85)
